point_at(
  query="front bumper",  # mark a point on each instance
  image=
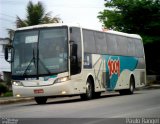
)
(59, 89)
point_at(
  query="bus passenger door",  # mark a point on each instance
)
(108, 83)
(76, 51)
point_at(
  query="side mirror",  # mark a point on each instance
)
(7, 53)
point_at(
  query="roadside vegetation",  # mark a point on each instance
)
(36, 14)
(138, 17)
(5, 89)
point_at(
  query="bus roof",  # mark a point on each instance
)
(78, 25)
(124, 34)
(41, 26)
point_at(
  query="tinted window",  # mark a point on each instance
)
(111, 44)
(139, 48)
(106, 43)
(53, 50)
(122, 45)
(76, 64)
(25, 47)
(101, 45)
(89, 41)
(131, 47)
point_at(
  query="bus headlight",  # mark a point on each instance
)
(17, 83)
(63, 79)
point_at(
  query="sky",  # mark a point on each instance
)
(83, 12)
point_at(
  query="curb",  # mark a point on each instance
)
(149, 87)
(155, 86)
(14, 100)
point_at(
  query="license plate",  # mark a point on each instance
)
(37, 91)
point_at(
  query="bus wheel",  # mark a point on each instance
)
(131, 86)
(89, 91)
(41, 100)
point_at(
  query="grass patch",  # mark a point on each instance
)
(8, 94)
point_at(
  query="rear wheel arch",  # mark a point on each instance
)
(131, 88)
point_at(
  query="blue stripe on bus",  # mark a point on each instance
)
(48, 77)
(115, 66)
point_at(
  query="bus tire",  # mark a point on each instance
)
(131, 86)
(41, 100)
(89, 91)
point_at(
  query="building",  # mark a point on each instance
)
(5, 67)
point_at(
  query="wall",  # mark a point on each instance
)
(4, 65)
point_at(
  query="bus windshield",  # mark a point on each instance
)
(40, 52)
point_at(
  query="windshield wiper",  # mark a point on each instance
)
(34, 61)
(43, 65)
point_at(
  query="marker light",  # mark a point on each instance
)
(63, 92)
(18, 95)
(17, 83)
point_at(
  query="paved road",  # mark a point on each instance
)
(144, 103)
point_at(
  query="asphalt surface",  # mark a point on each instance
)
(142, 104)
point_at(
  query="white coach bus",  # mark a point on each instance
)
(63, 60)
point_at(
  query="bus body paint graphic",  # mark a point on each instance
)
(117, 64)
(114, 67)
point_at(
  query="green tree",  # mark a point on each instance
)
(36, 15)
(133, 16)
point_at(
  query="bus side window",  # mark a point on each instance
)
(101, 45)
(139, 48)
(89, 41)
(122, 45)
(131, 47)
(111, 44)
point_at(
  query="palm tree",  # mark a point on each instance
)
(36, 15)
